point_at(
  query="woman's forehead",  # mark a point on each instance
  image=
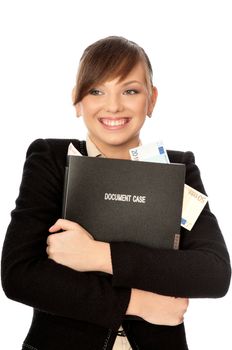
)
(136, 75)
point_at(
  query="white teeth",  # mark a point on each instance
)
(111, 122)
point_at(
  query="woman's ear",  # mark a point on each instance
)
(73, 94)
(152, 101)
(77, 105)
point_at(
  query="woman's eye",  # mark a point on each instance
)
(130, 92)
(95, 92)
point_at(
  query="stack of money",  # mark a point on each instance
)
(193, 200)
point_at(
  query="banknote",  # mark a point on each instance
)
(193, 200)
(72, 151)
(153, 152)
(193, 204)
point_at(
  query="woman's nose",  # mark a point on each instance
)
(113, 104)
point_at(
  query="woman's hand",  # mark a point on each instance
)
(76, 248)
(157, 309)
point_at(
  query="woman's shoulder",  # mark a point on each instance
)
(181, 157)
(55, 146)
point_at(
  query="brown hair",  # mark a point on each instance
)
(110, 57)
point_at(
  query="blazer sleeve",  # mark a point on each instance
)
(200, 268)
(28, 276)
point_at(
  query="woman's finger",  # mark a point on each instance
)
(63, 224)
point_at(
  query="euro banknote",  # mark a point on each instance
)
(72, 151)
(152, 152)
(193, 200)
(193, 204)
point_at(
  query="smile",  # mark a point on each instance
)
(114, 123)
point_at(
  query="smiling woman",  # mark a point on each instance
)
(114, 112)
(51, 263)
(114, 94)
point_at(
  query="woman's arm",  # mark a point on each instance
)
(75, 248)
(28, 276)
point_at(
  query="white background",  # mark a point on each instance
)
(189, 45)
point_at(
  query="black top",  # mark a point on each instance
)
(200, 268)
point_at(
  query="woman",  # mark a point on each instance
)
(54, 272)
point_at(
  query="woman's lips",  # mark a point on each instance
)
(114, 123)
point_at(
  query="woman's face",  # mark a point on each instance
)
(114, 111)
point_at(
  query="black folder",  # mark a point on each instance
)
(124, 200)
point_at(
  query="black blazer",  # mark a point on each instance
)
(76, 310)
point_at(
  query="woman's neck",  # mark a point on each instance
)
(117, 151)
